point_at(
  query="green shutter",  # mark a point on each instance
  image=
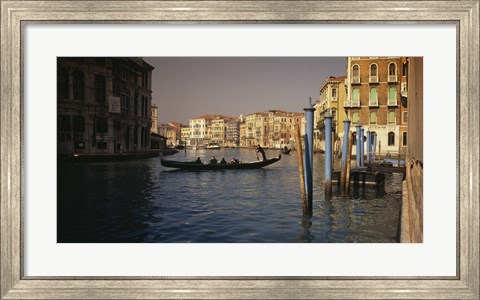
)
(355, 95)
(373, 94)
(391, 117)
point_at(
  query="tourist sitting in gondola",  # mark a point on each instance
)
(234, 161)
(213, 161)
(223, 161)
(198, 161)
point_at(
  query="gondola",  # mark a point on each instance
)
(286, 151)
(185, 165)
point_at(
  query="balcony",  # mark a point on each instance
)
(372, 102)
(355, 79)
(392, 78)
(373, 79)
(352, 104)
(392, 102)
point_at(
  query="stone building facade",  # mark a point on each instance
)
(103, 105)
(374, 99)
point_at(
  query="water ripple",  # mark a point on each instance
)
(141, 201)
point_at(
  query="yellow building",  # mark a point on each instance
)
(332, 97)
(272, 129)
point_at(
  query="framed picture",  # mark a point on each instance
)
(37, 36)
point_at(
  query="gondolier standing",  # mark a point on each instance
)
(260, 149)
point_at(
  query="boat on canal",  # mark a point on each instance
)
(212, 146)
(194, 166)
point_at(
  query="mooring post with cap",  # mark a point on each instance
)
(362, 147)
(328, 153)
(358, 153)
(309, 153)
(369, 146)
(343, 171)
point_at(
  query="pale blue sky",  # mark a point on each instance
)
(186, 87)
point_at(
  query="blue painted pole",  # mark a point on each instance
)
(328, 153)
(309, 154)
(362, 147)
(374, 145)
(369, 146)
(358, 152)
(346, 130)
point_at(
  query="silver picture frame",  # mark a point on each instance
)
(15, 285)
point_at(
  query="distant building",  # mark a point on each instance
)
(273, 129)
(218, 131)
(103, 105)
(172, 132)
(242, 134)
(207, 129)
(232, 133)
(185, 135)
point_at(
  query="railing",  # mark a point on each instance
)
(352, 104)
(373, 79)
(356, 79)
(392, 102)
(392, 78)
(373, 102)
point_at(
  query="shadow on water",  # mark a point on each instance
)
(141, 201)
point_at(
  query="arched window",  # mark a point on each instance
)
(391, 138)
(356, 70)
(392, 69)
(100, 90)
(373, 73)
(392, 95)
(63, 84)
(355, 97)
(392, 72)
(373, 97)
(372, 138)
(373, 70)
(78, 85)
(355, 118)
(356, 74)
(373, 118)
(334, 114)
(391, 117)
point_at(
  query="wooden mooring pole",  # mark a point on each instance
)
(345, 147)
(349, 162)
(301, 170)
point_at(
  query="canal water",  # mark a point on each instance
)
(143, 202)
